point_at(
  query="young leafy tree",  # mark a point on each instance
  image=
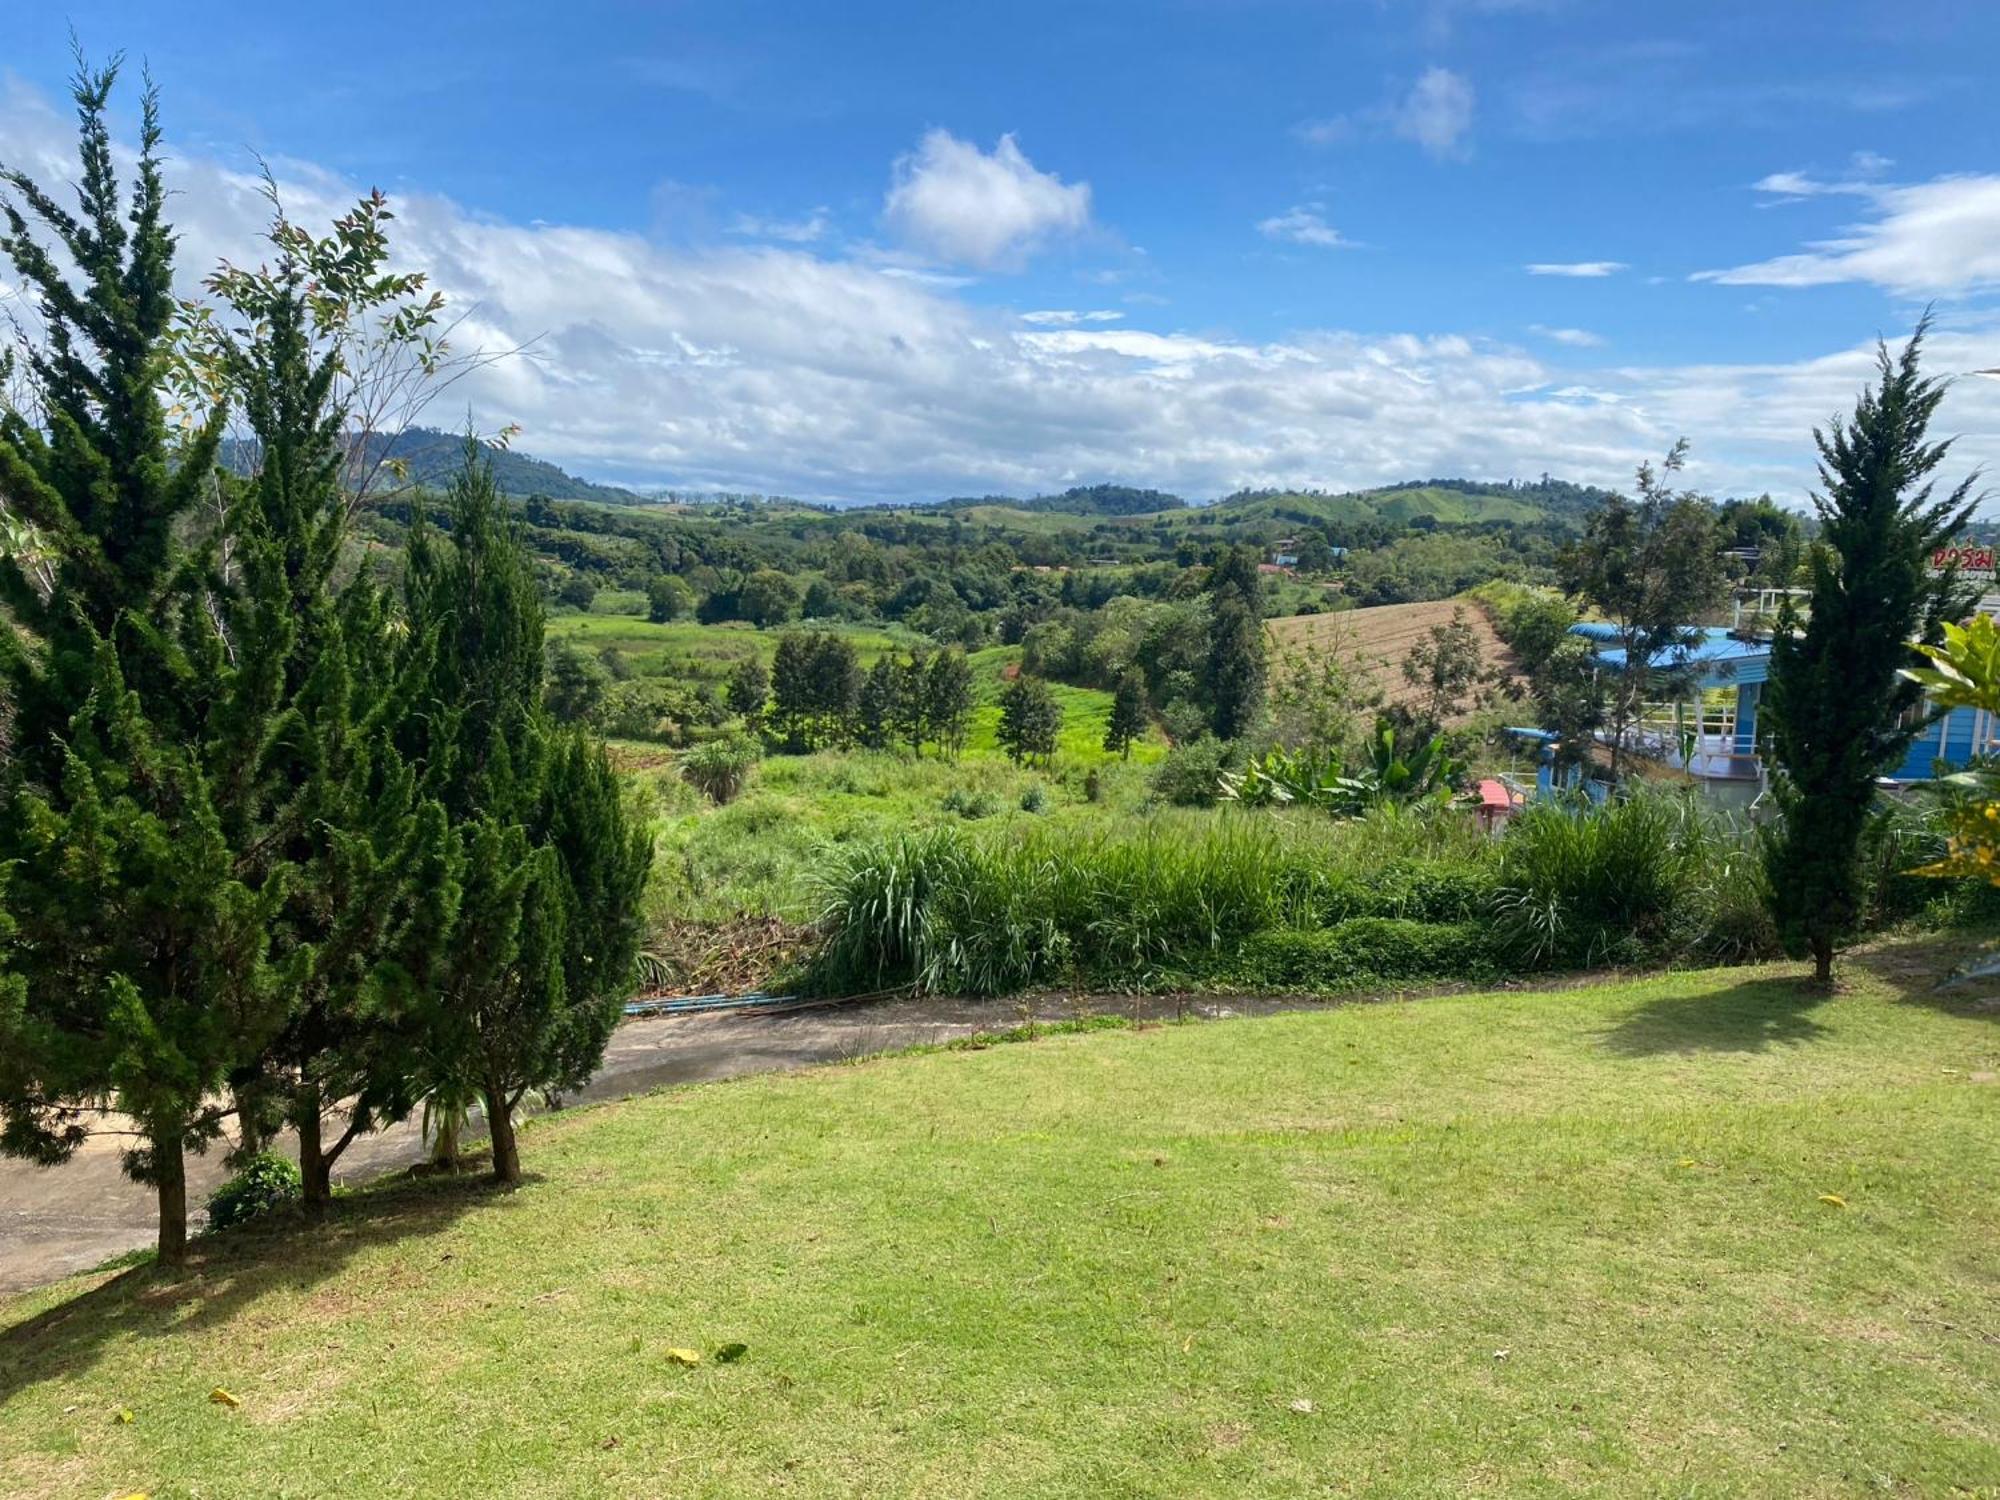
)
(527, 989)
(1443, 666)
(1836, 709)
(667, 598)
(749, 689)
(881, 703)
(1652, 567)
(1236, 650)
(138, 948)
(911, 721)
(1568, 689)
(1128, 715)
(577, 685)
(768, 597)
(948, 700)
(1030, 720)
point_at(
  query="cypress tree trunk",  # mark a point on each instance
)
(251, 1136)
(315, 1168)
(170, 1180)
(500, 1121)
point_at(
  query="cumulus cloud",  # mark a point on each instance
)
(1575, 338)
(1935, 238)
(988, 210)
(1580, 268)
(784, 369)
(1302, 226)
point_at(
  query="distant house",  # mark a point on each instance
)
(1713, 736)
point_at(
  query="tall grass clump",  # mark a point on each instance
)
(951, 912)
(1645, 876)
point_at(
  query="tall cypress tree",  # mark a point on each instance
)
(527, 986)
(1836, 710)
(140, 943)
(1236, 652)
(947, 700)
(1128, 714)
(309, 778)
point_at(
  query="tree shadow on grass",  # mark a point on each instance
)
(1754, 1016)
(228, 1273)
(1924, 970)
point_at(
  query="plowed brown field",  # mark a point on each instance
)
(1378, 639)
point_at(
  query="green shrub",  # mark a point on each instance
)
(267, 1182)
(1035, 799)
(721, 768)
(1191, 773)
(1362, 951)
(970, 805)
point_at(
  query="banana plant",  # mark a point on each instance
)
(1965, 673)
(1424, 774)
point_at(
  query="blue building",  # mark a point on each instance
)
(1714, 735)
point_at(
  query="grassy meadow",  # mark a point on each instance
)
(754, 858)
(1699, 1234)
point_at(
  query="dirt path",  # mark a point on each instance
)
(59, 1221)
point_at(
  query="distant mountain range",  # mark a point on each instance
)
(432, 456)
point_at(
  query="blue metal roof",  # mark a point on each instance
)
(1722, 659)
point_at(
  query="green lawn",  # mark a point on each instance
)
(1520, 1244)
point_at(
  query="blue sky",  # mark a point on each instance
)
(895, 250)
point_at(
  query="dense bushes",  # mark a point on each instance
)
(956, 914)
(1363, 950)
(1644, 878)
(1295, 902)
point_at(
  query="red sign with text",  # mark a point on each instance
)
(1965, 557)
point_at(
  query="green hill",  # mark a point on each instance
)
(432, 457)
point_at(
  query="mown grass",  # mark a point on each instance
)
(1515, 1244)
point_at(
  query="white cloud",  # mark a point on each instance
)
(1575, 338)
(1934, 238)
(784, 369)
(952, 201)
(1302, 226)
(1582, 268)
(1437, 113)
(814, 227)
(1065, 317)
(1327, 132)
